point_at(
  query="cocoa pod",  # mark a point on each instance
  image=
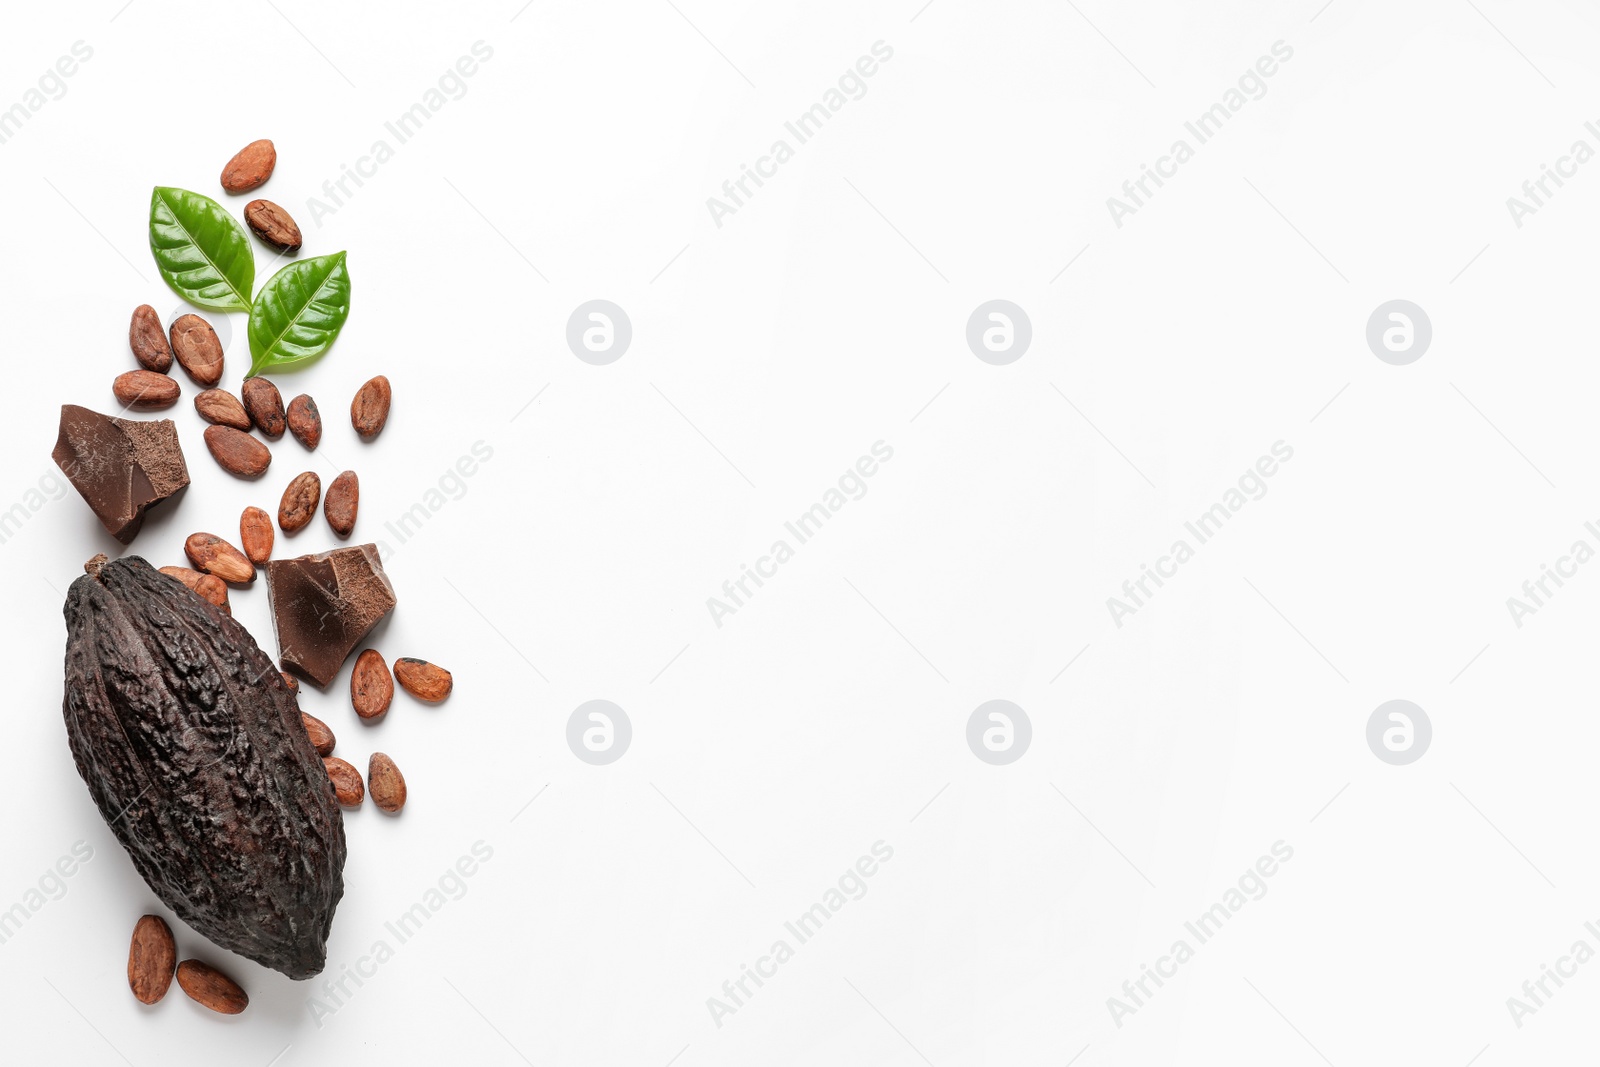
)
(370, 409)
(371, 687)
(210, 988)
(387, 784)
(222, 408)
(322, 738)
(148, 339)
(305, 421)
(255, 534)
(273, 225)
(212, 554)
(144, 390)
(250, 167)
(152, 955)
(265, 405)
(197, 349)
(299, 502)
(194, 754)
(423, 680)
(209, 586)
(344, 497)
(346, 781)
(237, 452)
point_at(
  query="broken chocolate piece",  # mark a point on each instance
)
(121, 466)
(323, 605)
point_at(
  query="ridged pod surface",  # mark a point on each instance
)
(194, 751)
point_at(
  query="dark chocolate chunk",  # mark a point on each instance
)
(323, 605)
(121, 466)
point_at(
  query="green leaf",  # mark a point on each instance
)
(201, 250)
(298, 314)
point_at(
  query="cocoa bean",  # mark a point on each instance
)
(291, 681)
(344, 497)
(222, 408)
(152, 955)
(251, 167)
(370, 409)
(322, 738)
(299, 502)
(388, 785)
(210, 988)
(237, 451)
(144, 390)
(423, 680)
(371, 687)
(208, 586)
(265, 405)
(148, 339)
(212, 554)
(273, 225)
(346, 782)
(197, 349)
(305, 421)
(255, 534)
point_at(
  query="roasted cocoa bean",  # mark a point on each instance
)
(148, 339)
(423, 680)
(371, 686)
(341, 503)
(210, 988)
(305, 421)
(322, 738)
(251, 167)
(370, 409)
(209, 586)
(265, 405)
(255, 534)
(152, 955)
(346, 781)
(273, 225)
(197, 349)
(299, 502)
(237, 451)
(387, 784)
(222, 408)
(144, 390)
(212, 554)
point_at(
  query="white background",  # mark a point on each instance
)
(829, 713)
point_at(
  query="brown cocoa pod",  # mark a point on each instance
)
(238, 452)
(423, 680)
(144, 390)
(197, 349)
(371, 687)
(305, 421)
(251, 167)
(209, 586)
(273, 225)
(222, 408)
(346, 782)
(322, 738)
(212, 554)
(299, 502)
(148, 339)
(265, 405)
(210, 988)
(387, 784)
(255, 534)
(370, 409)
(152, 955)
(344, 497)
